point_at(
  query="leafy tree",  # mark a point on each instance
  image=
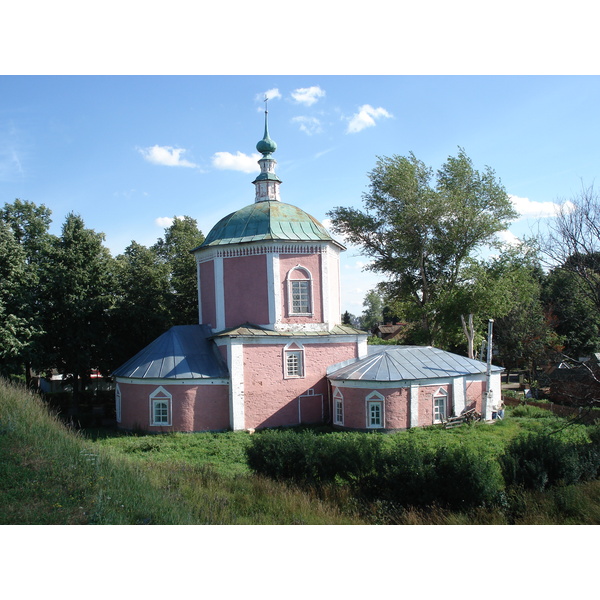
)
(174, 250)
(373, 313)
(78, 296)
(29, 224)
(573, 241)
(420, 230)
(577, 319)
(142, 302)
(15, 330)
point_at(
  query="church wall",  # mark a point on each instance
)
(474, 394)
(312, 262)
(396, 406)
(271, 400)
(207, 293)
(246, 290)
(426, 394)
(193, 407)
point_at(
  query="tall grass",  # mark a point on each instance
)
(51, 474)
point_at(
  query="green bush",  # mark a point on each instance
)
(539, 460)
(310, 459)
(454, 477)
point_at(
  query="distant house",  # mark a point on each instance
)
(270, 349)
(390, 331)
(576, 383)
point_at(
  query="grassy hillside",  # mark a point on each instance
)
(50, 474)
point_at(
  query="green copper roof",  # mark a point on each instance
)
(271, 220)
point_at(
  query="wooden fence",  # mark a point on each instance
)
(588, 415)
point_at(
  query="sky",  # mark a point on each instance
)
(131, 152)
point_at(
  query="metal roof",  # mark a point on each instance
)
(250, 330)
(182, 352)
(269, 220)
(405, 363)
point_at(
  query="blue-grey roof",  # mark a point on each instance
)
(182, 352)
(405, 363)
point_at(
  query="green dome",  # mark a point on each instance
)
(271, 220)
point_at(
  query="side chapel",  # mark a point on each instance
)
(270, 349)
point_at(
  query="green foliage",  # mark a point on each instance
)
(310, 459)
(142, 308)
(577, 320)
(174, 249)
(420, 233)
(451, 476)
(538, 460)
(77, 298)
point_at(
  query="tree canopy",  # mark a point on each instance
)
(419, 228)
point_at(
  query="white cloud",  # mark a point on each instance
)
(538, 210)
(271, 94)
(509, 238)
(308, 96)
(165, 155)
(365, 117)
(236, 162)
(310, 125)
(166, 221)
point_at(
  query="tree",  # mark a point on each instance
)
(373, 313)
(419, 232)
(78, 296)
(577, 319)
(573, 241)
(29, 224)
(142, 302)
(15, 330)
(174, 250)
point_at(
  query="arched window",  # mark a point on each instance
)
(293, 361)
(375, 411)
(118, 402)
(338, 407)
(299, 283)
(160, 407)
(440, 406)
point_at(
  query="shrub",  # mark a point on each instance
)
(538, 460)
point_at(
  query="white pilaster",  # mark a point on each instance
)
(459, 395)
(274, 288)
(235, 360)
(199, 294)
(414, 406)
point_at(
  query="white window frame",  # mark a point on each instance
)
(338, 407)
(308, 280)
(118, 403)
(375, 398)
(441, 394)
(294, 349)
(160, 395)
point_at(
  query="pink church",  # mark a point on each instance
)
(270, 349)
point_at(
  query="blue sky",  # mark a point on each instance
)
(129, 153)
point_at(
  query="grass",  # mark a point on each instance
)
(52, 474)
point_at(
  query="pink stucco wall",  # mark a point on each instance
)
(270, 400)
(246, 290)
(193, 407)
(207, 293)
(474, 394)
(426, 394)
(312, 262)
(396, 407)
